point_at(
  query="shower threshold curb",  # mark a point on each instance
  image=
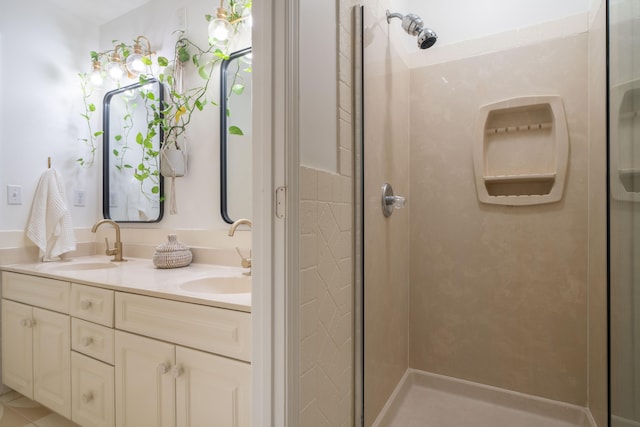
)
(577, 415)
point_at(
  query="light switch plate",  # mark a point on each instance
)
(79, 198)
(14, 194)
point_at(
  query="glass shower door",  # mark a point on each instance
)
(624, 212)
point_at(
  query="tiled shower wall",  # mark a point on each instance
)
(326, 267)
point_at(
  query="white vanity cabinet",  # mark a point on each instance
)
(161, 383)
(106, 358)
(36, 358)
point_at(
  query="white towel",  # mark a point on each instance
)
(49, 225)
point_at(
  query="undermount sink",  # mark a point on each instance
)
(219, 285)
(83, 266)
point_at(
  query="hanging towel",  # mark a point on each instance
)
(49, 225)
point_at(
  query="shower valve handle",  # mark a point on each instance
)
(391, 201)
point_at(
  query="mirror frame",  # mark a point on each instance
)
(223, 132)
(106, 150)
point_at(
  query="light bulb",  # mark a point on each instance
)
(135, 64)
(115, 71)
(219, 32)
(96, 78)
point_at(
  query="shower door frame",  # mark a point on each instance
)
(358, 83)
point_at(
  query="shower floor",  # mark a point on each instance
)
(428, 400)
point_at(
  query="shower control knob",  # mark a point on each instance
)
(391, 201)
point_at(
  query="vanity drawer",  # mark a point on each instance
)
(211, 329)
(93, 340)
(92, 304)
(38, 291)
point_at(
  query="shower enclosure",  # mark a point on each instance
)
(483, 300)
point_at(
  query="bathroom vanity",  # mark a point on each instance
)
(125, 344)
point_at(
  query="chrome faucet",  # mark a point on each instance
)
(246, 262)
(116, 251)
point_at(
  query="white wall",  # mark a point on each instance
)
(318, 85)
(40, 106)
(43, 49)
(475, 19)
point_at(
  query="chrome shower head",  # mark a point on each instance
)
(414, 26)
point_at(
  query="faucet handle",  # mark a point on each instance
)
(246, 262)
(109, 251)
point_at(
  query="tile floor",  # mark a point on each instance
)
(18, 411)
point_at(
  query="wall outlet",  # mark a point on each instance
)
(14, 194)
(79, 198)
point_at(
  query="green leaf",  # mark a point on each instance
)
(141, 167)
(183, 54)
(155, 189)
(128, 166)
(203, 73)
(116, 152)
(228, 112)
(237, 88)
(248, 70)
(199, 105)
(97, 134)
(235, 130)
(146, 60)
(139, 138)
(151, 96)
(92, 107)
(162, 61)
(208, 17)
(118, 138)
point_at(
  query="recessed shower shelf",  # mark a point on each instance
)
(538, 177)
(521, 151)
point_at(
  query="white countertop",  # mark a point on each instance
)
(140, 276)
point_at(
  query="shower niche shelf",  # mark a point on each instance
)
(625, 151)
(521, 151)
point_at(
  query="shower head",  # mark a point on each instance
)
(414, 26)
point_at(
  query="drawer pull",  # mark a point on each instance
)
(163, 368)
(85, 304)
(87, 397)
(86, 341)
(28, 323)
(177, 371)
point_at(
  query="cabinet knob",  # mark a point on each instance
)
(87, 397)
(163, 368)
(28, 323)
(86, 341)
(85, 304)
(177, 371)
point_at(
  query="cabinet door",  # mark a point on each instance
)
(92, 392)
(212, 391)
(145, 388)
(17, 347)
(52, 360)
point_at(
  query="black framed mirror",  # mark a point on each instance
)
(235, 136)
(132, 183)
